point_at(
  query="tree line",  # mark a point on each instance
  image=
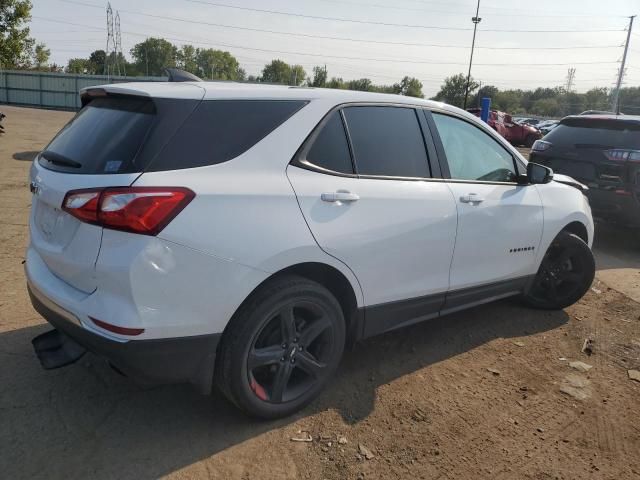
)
(548, 102)
(152, 56)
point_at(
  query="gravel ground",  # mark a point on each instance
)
(487, 393)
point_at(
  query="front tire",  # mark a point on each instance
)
(281, 347)
(565, 274)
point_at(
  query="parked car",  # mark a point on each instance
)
(531, 121)
(546, 126)
(603, 152)
(242, 235)
(516, 133)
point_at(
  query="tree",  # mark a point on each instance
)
(319, 77)
(78, 65)
(298, 75)
(453, 89)
(336, 82)
(547, 107)
(409, 86)
(96, 62)
(218, 65)
(153, 55)
(362, 84)
(41, 56)
(16, 46)
(186, 59)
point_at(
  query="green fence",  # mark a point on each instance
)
(53, 90)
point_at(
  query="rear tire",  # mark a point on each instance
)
(281, 347)
(565, 274)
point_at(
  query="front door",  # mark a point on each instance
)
(499, 222)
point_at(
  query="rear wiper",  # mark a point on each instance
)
(58, 159)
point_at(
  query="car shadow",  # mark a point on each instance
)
(616, 247)
(26, 156)
(87, 421)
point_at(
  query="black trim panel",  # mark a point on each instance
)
(469, 297)
(149, 362)
(389, 316)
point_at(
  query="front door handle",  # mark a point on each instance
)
(472, 198)
(339, 196)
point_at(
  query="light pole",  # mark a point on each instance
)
(476, 20)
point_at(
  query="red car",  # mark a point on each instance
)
(515, 133)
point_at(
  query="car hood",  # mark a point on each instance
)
(567, 180)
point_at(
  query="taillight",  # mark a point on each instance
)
(144, 210)
(622, 155)
(541, 146)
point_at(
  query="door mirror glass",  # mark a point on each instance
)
(537, 173)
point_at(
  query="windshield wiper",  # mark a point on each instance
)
(58, 159)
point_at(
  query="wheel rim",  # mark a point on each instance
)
(560, 276)
(291, 353)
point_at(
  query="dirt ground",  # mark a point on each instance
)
(487, 393)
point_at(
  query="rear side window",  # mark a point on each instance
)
(104, 137)
(589, 133)
(219, 130)
(330, 149)
(387, 141)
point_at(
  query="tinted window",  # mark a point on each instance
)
(471, 153)
(387, 141)
(219, 130)
(104, 137)
(601, 134)
(330, 149)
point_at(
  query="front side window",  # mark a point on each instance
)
(330, 149)
(471, 153)
(387, 141)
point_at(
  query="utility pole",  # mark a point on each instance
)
(616, 105)
(476, 20)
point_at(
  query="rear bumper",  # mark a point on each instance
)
(150, 362)
(610, 207)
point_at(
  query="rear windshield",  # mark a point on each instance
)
(593, 133)
(103, 138)
(219, 130)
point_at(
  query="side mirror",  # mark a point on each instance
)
(537, 173)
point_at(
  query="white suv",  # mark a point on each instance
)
(242, 235)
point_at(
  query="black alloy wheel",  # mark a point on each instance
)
(565, 274)
(281, 347)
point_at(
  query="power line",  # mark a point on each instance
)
(340, 19)
(368, 59)
(347, 39)
(500, 14)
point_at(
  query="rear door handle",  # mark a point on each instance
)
(471, 198)
(339, 197)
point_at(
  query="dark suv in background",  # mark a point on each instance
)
(603, 152)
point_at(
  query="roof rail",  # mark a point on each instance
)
(178, 75)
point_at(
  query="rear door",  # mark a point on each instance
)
(499, 222)
(99, 147)
(364, 185)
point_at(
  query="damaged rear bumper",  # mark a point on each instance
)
(150, 362)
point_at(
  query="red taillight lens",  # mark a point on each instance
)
(117, 329)
(145, 210)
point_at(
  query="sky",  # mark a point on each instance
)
(519, 44)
